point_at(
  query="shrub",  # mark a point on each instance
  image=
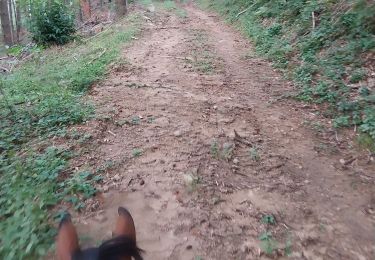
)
(368, 125)
(52, 22)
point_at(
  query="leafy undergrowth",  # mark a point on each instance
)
(326, 47)
(38, 101)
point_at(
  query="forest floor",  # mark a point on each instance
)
(195, 138)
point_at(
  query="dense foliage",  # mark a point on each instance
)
(52, 22)
(324, 45)
(38, 102)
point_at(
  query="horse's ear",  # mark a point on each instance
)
(125, 224)
(67, 240)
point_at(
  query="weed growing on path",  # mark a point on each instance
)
(268, 219)
(222, 151)
(267, 243)
(192, 181)
(203, 60)
(136, 152)
(214, 149)
(254, 154)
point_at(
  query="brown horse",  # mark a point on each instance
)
(122, 246)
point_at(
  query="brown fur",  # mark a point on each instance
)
(122, 246)
(67, 240)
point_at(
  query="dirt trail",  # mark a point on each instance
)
(202, 156)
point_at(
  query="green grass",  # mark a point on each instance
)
(136, 152)
(254, 154)
(366, 142)
(2, 49)
(145, 2)
(324, 61)
(214, 149)
(167, 5)
(267, 243)
(203, 59)
(223, 151)
(268, 219)
(181, 13)
(38, 101)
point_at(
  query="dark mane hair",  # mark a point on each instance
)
(112, 249)
(119, 246)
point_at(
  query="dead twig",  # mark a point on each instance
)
(350, 161)
(313, 20)
(279, 165)
(176, 57)
(336, 136)
(278, 156)
(96, 35)
(238, 173)
(165, 87)
(165, 28)
(28, 56)
(130, 181)
(4, 69)
(97, 57)
(244, 11)
(112, 133)
(240, 139)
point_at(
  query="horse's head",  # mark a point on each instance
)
(122, 246)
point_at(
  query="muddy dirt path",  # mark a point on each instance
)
(208, 158)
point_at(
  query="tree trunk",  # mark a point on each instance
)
(85, 9)
(18, 20)
(5, 22)
(121, 7)
(10, 2)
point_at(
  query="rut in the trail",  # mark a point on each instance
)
(204, 155)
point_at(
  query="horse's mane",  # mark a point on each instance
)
(119, 246)
(113, 249)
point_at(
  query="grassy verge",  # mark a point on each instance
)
(324, 46)
(37, 102)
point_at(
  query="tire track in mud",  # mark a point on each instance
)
(202, 157)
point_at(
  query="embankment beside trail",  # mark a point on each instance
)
(326, 47)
